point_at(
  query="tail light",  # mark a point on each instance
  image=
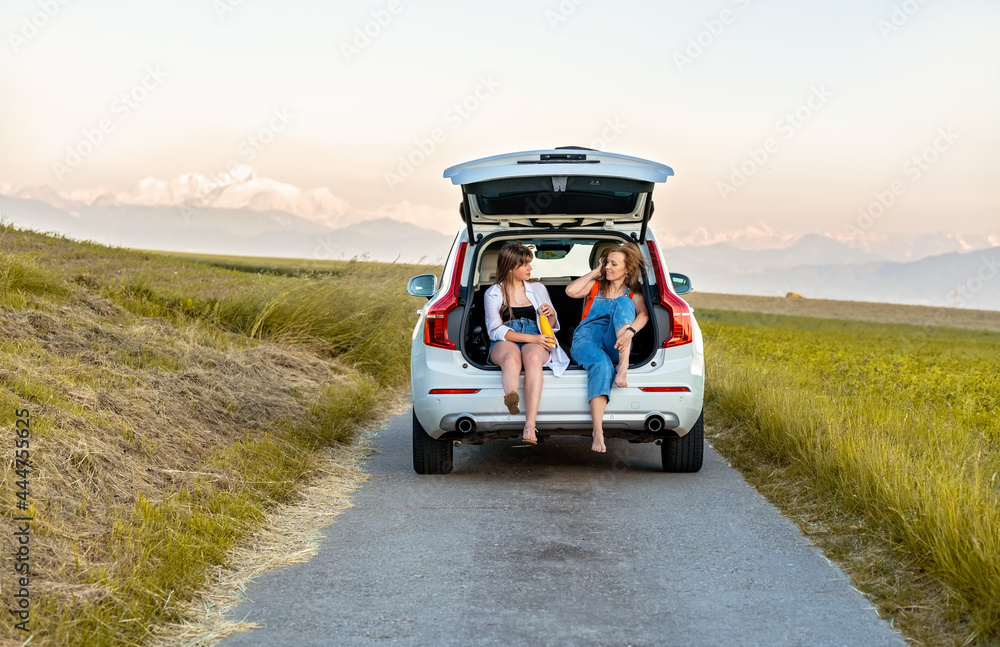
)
(680, 312)
(436, 326)
(665, 389)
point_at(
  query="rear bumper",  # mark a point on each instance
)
(564, 406)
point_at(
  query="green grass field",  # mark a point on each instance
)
(894, 426)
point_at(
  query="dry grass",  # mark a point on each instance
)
(291, 536)
(164, 432)
(109, 436)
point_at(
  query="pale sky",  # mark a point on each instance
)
(847, 92)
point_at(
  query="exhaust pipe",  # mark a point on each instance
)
(466, 425)
(654, 424)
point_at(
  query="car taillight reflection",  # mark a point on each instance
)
(436, 327)
(680, 313)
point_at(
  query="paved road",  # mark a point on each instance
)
(554, 545)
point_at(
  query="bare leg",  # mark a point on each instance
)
(533, 356)
(621, 375)
(507, 356)
(597, 407)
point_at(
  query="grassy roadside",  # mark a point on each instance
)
(173, 401)
(882, 442)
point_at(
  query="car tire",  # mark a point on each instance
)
(686, 453)
(430, 456)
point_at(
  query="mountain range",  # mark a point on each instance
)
(242, 214)
(969, 280)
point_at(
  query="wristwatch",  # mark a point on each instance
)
(634, 331)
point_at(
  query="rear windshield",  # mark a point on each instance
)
(533, 196)
(576, 262)
(553, 257)
(571, 204)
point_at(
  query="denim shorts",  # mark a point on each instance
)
(524, 326)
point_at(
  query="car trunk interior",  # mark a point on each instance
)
(476, 341)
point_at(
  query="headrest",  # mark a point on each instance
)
(488, 267)
(595, 254)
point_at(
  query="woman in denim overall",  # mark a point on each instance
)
(611, 319)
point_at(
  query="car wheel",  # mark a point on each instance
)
(685, 454)
(430, 456)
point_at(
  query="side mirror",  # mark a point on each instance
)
(682, 284)
(424, 285)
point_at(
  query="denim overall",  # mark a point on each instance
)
(524, 326)
(594, 341)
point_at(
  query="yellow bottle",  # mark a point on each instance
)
(546, 328)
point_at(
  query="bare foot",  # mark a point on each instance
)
(620, 376)
(598, 445)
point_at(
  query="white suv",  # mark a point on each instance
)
(567, 205)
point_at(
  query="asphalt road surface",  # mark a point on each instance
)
(555, 545)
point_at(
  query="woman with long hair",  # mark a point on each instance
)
(614, 311)
(513, 306)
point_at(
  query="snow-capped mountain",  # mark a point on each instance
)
(235, 213)
(241, 189)
(913, 247)
(242, 213)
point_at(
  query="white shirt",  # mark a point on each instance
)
(537, 295)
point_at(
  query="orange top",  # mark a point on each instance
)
(594, 291)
